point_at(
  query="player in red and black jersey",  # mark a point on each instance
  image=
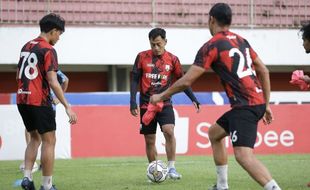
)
(246, 82)
(230, 56)
(36, 75)
(64, 82)
(155, 70)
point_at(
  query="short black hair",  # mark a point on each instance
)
(154, 33)
(222, 13)
(305, 31)
(51, 21)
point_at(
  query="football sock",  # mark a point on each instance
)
(28, 174)
(47, 182)
(272, 185)
(221, 172)
(171, 164)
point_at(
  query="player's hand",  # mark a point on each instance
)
(197, 106)
(268, 116)
(134, 112)
(72, 116)
(155, 98)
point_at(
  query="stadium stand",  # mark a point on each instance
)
(167, 13)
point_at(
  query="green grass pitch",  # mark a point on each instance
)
(292, 172)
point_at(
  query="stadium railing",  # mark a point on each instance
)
(167, 13)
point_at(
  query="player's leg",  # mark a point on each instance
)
(150, 148)
(168, 131)
(216, 135)
(246, 158)
(28, 115)
(27, 137)
(243, 129)
(170, 144)
(149, 132)
(47, 158)
(22, 165)
(166, 120)
(32, 151)
(30, 158)
(47, 128)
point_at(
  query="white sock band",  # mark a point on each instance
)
(221, 172)
(272, 185)
(47, 182)
(171, 164)
(28, 173)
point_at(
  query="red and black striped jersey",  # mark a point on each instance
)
(156, 73)
(36, 59)
(231, 57)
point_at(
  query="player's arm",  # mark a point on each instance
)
(178, 72)
(183, 83)
(65, 83)
(54, 84)
(134, 84)
(63, 80)
(262, 73)
(193, 98)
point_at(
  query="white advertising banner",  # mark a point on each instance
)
(12, 134)
(270, 44)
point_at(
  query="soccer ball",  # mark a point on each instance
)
(157, 171)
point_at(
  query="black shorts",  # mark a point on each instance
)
(41, 118)
(241, 124)
(166, 116)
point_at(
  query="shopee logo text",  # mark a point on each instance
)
(270, 138)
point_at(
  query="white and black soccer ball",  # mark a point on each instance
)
(157, 171)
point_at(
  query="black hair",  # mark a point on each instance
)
(154, 33)
(305, 31)
(51, 21)
(222, 13)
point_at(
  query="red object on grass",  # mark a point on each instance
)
(296, 80)
(151, 112)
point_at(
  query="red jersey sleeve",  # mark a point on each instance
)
(50, 60)
(206, 55)
(253, 54)
(178, 72)
(137, 64)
